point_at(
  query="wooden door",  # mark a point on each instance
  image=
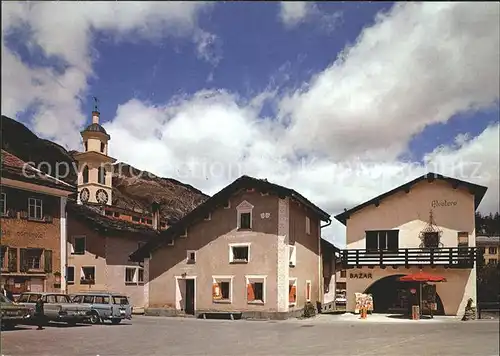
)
(190, 296)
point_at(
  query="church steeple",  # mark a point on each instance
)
(94, 165)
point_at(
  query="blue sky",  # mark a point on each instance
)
(258, 86)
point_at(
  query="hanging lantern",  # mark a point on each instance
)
(57, 278)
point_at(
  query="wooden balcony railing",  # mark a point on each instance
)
(453, 257)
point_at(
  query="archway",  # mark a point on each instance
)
(391, 296)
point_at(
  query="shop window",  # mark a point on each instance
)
(382, 240)
(239, 253)
(221, 289)
(292, 291)
(136, 219)
(256, 286)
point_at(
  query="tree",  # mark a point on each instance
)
(488, 283)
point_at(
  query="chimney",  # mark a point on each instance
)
(95, 117)
(156, 215)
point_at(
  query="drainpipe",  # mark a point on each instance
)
(320, 265)
(327, 224)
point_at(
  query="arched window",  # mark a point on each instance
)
(85, 174)
(101, 175)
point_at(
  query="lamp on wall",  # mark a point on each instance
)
(184, 275)
(57, 278)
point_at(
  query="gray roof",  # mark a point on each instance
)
(487, 240)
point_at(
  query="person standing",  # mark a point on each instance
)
(39, 313)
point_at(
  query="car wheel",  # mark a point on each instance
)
(94, 318)
(116, 321)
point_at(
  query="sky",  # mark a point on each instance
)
(341, 101)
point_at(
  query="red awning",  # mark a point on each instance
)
(422, 277)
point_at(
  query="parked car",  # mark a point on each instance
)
(105, 306)
(57, 307)
(13, 314)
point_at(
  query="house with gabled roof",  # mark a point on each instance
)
(426, 225)
(254, 247)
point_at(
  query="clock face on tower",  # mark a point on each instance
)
(101, 196)
(84, 195)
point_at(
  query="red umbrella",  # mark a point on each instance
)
(422, 277)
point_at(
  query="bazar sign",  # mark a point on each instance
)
(360, 275)
(25, 234)
(442, 203)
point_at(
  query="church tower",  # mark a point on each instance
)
(95, 170)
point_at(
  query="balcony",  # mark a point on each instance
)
(453, 257)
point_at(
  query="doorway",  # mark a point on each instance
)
(189, 297)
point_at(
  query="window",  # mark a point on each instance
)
(185, 233)
(140, 275)
(103, 146)
(227, 205)
(130, 275)
(116, 214)
(292, 291)
(343, 274)
(77, 299)
(382, 240)
(492, 250)
(245, 221)
(108, 213)
(292, 249)
(87, 275)
(86, 146)
(35, 209)
(191, 256)
(431, 239)
(207, 217)
(3, 204)
(101, 175)
(119, 299)
(256, 286)
(308, 225)
(244, 215)
(79, 245)
(239, 253)
(492, 261)
(221, 289)
(308, 291)
(136, 219)
(85, 174)
(70, 274)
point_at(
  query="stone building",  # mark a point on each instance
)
(33, 227)
(253, 247)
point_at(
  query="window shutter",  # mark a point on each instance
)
(371, 240)
(250, 292)
(47, 261)
(392, 240)
(293, 294)
(24, 264)
(12, 259)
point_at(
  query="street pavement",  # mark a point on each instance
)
(324, 335)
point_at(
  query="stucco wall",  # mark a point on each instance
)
(210, 240)
(307, 245)
(409, 212)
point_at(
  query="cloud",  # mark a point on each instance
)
(65, 31)
(337, 139)
(292, 14)
(420, 64)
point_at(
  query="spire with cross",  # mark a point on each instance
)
(96, 104)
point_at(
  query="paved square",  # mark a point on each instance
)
(325, 335)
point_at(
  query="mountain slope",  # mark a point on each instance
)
(131, 189)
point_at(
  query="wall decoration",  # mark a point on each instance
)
(443, 203)
(265, 215)
(431, 234)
